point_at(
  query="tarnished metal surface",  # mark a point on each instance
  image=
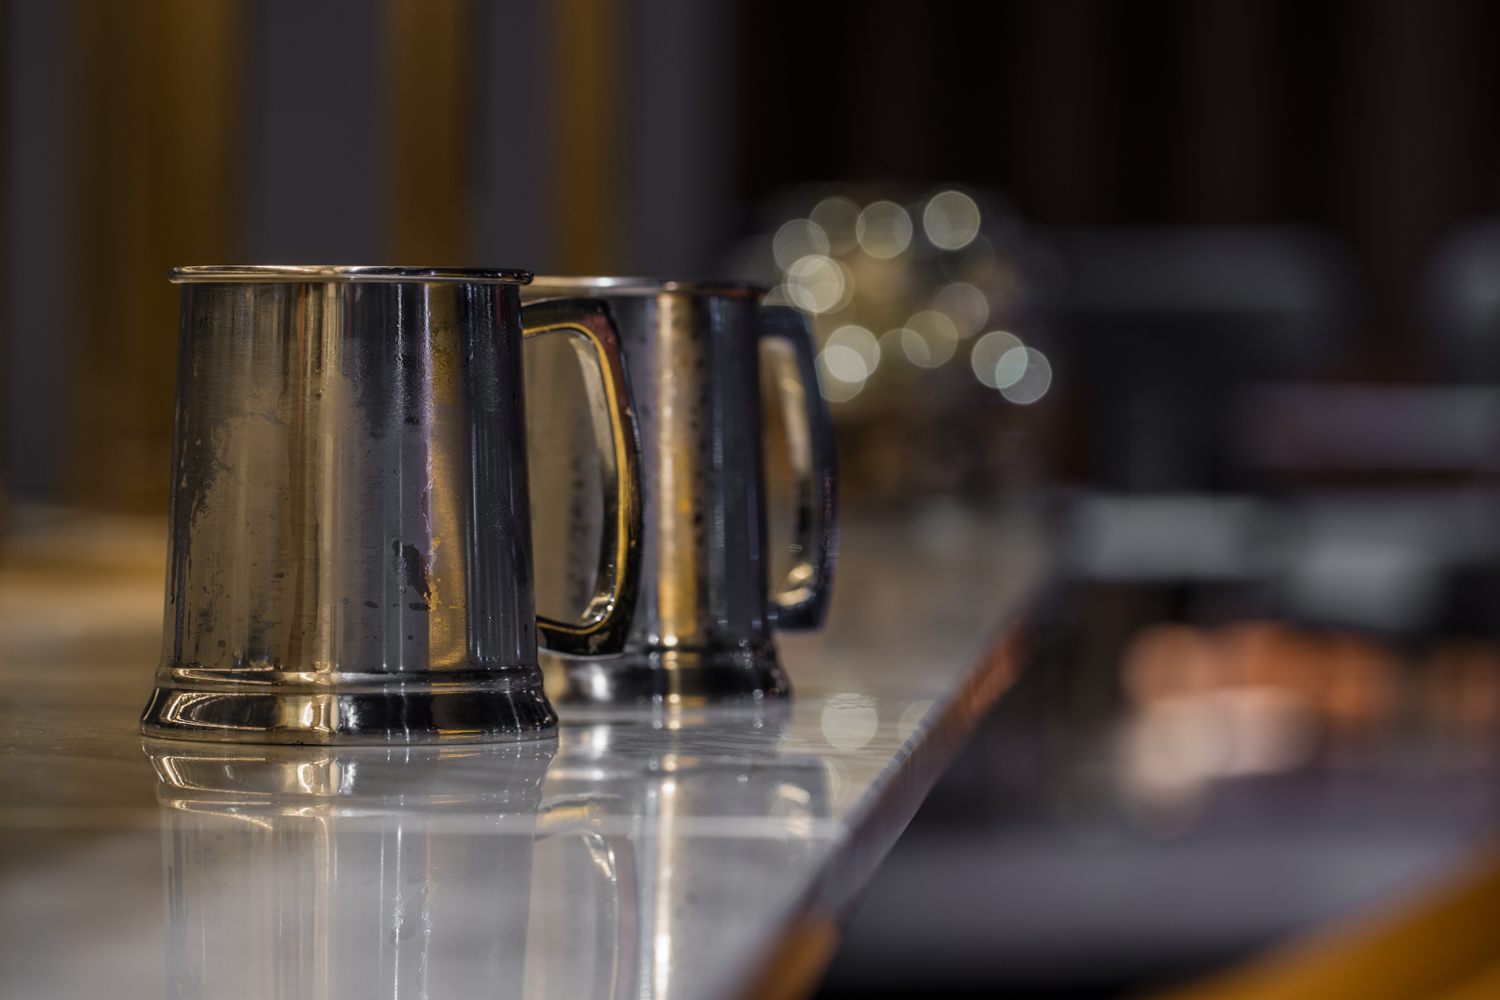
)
(702, 630)
(351, 546)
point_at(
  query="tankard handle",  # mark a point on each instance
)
(801, 602)
(606, 620)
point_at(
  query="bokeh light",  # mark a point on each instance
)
(883, 230)
(911, 718)
(915, 347)
(837, 216)
(831, 384)
(938, 336)
(845, 363)
(859, 340)
(797, 239)
(965, 305)
(817, 284)
(951, 220)
(849, 357)
(987, 352)
(1035, 378)
(896, 316)
(849, 721)
(1010, 368)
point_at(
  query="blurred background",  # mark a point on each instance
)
(1208, 290)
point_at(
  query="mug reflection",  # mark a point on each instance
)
(580, 868)
(702, 823)
(348, 873)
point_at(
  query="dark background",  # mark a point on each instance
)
(651, 136)
(656, 137)
(1372, 120)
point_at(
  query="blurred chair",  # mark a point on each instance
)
(1439, 943)
(1167, 323)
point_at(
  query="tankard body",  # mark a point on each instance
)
(350, 553)
(702, 628)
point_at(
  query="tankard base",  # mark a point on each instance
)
(671, 678)
(355, 718)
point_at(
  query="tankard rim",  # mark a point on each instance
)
(323, 273)
(615, 285)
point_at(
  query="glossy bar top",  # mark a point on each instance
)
(644, 855)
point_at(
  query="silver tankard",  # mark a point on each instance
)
(701, 632)
(350, 557)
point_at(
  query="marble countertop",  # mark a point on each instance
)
(640, 855)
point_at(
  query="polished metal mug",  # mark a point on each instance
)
(350, 557)
(701, 631)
